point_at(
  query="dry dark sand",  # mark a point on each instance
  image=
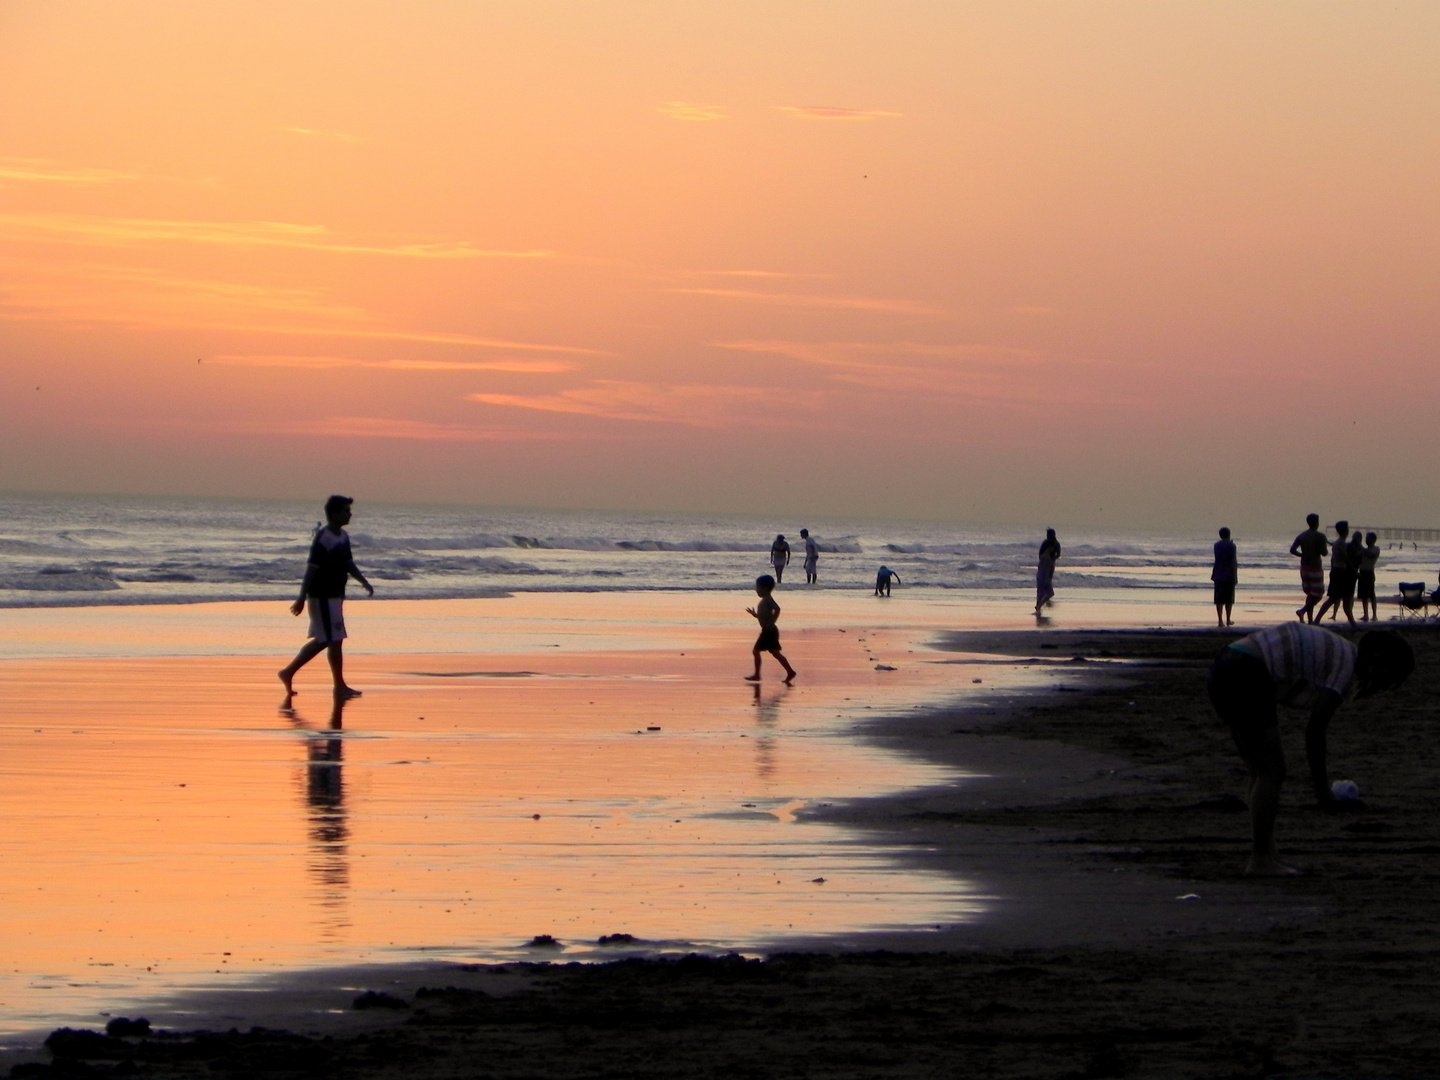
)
(1112, 795)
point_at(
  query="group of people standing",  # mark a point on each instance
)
(1353, 559)
(780, 557)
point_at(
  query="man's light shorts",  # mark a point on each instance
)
(327, 619)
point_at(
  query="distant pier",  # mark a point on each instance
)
(1397, 532)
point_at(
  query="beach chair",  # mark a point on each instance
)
(1414, 603)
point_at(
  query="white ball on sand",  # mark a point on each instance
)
(1345, 790)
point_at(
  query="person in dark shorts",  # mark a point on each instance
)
(1344, 559)
(1225, 574)
(323, 592)
(1365, 581)
(1312, 547)
(768, 612)
(1299, 665)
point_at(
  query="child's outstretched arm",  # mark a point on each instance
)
(751, 611)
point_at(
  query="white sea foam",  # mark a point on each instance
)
(67, 550)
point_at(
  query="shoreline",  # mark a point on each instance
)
(1163, 825)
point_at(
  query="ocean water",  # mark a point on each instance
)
(94, 550)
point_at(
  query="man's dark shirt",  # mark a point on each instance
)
(332, 564)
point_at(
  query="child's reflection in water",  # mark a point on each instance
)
(329, 863)
(767, 720)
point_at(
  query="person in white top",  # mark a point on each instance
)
(812, 556)
(1299, 665)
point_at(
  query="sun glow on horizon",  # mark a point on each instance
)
(998, 262)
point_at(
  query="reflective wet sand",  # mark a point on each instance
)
(575, 766)
(166, 824)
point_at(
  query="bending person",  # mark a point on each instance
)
(1301, 665)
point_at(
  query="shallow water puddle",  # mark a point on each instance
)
(166, 825)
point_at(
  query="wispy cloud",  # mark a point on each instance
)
(42, 171)
(827, 112)
(106, 231)
(314, 133)
(129, 296)
(375, 427)
(520, 367)
(693, 113)
(695, 406)
(795, 300)
(969, 370)
(756, 274)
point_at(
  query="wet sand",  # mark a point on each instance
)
(1122, 942)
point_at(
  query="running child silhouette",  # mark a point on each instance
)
(768, 612)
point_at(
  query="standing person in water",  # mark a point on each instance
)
(780, 557)
(1312, 548)
(1225, 574)
(1365, 583)
(1294, 664)
(1341, 592)
(1045, 572)
(323, 591)
(812, 557)
(767, 611)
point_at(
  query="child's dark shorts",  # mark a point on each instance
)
(769, 640)
(1224, 593)
(1243, 693)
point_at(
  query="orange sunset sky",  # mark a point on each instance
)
(1090, 263)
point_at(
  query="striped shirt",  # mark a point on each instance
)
(1302, 659)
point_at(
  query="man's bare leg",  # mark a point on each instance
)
(337, 671)
(1264, 807)
(756, 676)
(308, 652)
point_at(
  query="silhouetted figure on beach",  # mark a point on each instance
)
(1225, 574)
(1298, 665)
(883, 577)
(768, 612)
(1045, 571)
(812, 557)
(1365, 580)
(1312, 547)
(780, 557)
(1344, 560)
(323, 592)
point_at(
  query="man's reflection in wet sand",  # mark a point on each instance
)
(767, 721)
(329, 863)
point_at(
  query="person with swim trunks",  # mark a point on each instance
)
(812, 557)
(1365, 580)
(768, 612)
(323, 592)
(1298, 665)
(1341, 592)
(1312, 547)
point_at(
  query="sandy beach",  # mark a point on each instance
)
(1098, 835)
